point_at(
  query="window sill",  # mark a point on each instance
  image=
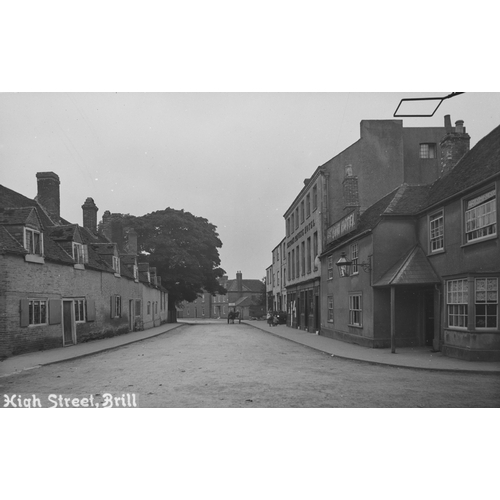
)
(355, 326)
(36, 259)
(117, 275)
(437, 252)
(81, 267)
(479, 240)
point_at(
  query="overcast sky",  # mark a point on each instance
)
(237, 159)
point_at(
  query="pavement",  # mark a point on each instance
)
(417, 358)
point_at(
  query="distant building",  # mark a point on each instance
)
(247, 296)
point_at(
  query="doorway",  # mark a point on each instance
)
(428, 318)
(69, 326)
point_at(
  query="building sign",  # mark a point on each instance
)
(301, 233)
(343, 226)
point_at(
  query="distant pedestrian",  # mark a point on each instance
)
(275, 320)
(269, 318)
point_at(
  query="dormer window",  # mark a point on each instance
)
(80, 253)
(33, 241)
(116, 264)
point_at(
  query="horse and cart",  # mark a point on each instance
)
(232, 316)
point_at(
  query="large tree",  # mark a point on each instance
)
(184, 250)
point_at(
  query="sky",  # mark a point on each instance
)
(236, 159)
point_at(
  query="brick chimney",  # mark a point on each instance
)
(90, 215)
(454, 145)
(48, 194)
(105, 225)
(350, 188)
(239, 281)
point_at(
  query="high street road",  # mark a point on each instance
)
(228, 366)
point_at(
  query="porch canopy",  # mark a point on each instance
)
(412, 269)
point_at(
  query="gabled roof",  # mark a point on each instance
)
(16, 216)
(63, 233)
(480, 163)
(412, 269)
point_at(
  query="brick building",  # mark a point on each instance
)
(62, 283)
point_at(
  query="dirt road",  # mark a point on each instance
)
(226, 366)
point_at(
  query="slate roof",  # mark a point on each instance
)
(413, 269)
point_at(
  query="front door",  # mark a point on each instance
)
(68, 323)
(429, 317)
(131, 315)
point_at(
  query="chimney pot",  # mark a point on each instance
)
(447, 124)
(459, 127)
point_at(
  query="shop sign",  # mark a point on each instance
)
(341, 227)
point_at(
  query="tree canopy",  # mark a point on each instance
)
(184, 250)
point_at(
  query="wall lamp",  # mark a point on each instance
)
(344, 266)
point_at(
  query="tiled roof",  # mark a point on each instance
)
(413, 269)
(63, 233)
(408, 200)
(16, 216)
(479, 164)
(8, 244)
(9, 198)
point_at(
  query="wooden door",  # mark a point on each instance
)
(68, 322)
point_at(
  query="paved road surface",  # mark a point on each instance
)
(220, 365)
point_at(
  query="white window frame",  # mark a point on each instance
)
(356, 310)
(79, 310)
(330, 267)
(31, 312)
(436, 232)
(30, 245)
(330, 308)
(354, 258)
(457, 303)
(80, 253)
(490, 302)
(116, 264)
(480, 217)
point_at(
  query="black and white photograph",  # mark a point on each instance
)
(260, 261)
